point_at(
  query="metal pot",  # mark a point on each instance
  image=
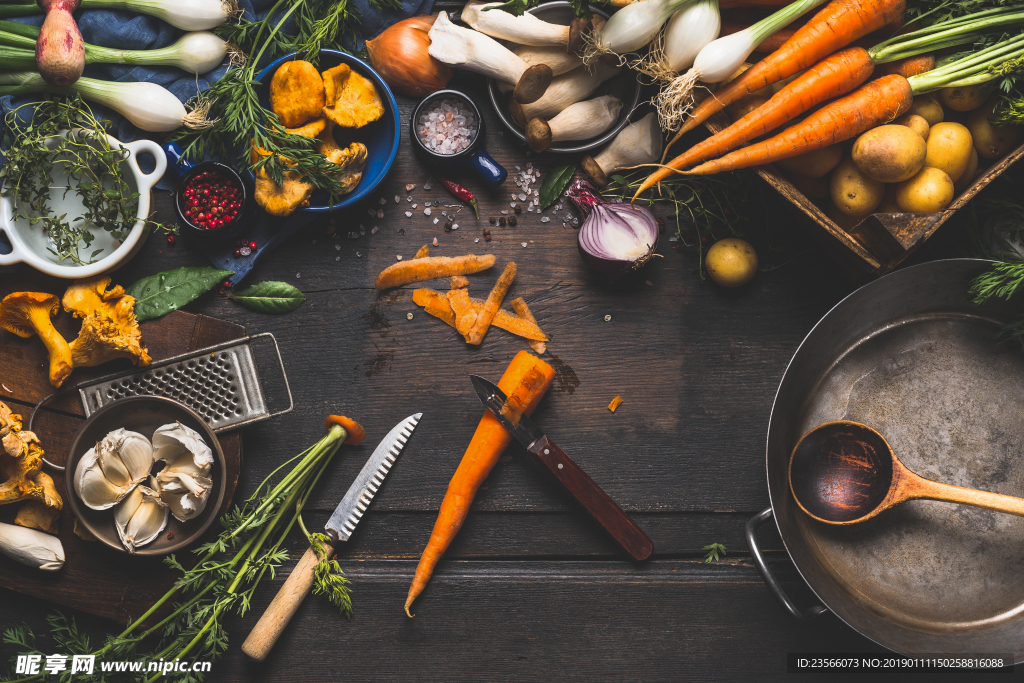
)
(912, 356)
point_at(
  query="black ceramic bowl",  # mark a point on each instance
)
(229, 229)
(144, 414)
(474, 157)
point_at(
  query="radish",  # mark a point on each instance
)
(60, 50)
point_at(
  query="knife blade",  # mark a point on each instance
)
(599, 504)
(339, 527)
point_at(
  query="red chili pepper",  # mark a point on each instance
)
(462, 193)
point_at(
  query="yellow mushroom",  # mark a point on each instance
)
(21, 467)
(28, 313)
(352, 159)
(109, 328)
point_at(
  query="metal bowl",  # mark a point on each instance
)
(380, 137)
(144, 414)
(625, 86)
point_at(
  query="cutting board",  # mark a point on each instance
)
(95, 579)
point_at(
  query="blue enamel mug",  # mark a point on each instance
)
(473, 157)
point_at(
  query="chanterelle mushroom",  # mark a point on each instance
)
(20, 465)
(109, 328)
(28, 313)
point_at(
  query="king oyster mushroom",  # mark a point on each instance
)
(140, 517)
(112, 468)
(184, 484)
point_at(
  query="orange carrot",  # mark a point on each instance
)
(491, 306)
(911, 66)
(431, 267)
(356, 433)
(874, 103)
(833, 76)
(837, 25)
(524, 382)
(524, 313)
(769, 44)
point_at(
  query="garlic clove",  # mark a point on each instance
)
(31, 547)
(140, 518)
(93, 487)
(173, 440)
(188, 503)
(125, 457)
(111, 465)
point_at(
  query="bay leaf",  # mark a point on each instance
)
(158, 294)
(270, 297)
(554, 184)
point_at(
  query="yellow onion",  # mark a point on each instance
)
(399, 54)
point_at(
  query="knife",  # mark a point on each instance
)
(598, 503)
(339, 528)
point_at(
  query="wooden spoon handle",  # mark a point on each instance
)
(933, 490)
(270, 626)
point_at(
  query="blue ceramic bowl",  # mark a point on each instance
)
(380, 137)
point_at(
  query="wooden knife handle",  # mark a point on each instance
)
(598, 503)
(270, 626)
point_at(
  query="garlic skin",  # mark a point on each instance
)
(140, 517)
(184, 483)
(31, 547)
(111, 469)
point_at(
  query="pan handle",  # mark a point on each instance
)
(769, 579)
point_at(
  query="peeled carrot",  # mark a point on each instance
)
(837, 25)
(833, 76)
(874, 103)
(525, 382)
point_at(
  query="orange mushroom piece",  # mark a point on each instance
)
(109, 327)
(351, 99)
(28, 313)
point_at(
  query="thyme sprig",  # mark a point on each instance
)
(62, 138)
(222, 581)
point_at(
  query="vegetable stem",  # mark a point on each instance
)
(780, 19)
(946, 34)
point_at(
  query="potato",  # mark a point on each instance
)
(968, 177)
(915, 123)
(991, 141)
(889, 154)
(841, 219)
(928, 108)
(889, 204)
(929, 191)
(815, 189)
(966, 98)
(854, 193)
(814, 164)
(296, 93)
(949, 149)
(737, 110)
(731, 262)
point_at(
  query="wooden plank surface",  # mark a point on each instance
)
(95, 579)
(531, 589)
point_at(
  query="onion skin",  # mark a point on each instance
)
(399, 55)
(60, 48)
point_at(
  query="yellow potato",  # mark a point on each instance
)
(889, 154)
(928, 108)
(815, 189)
(731, 262)
(853, 192)
(914, 122)
(968, 177)
(949, 149)
(296, 93)
(929, 191)
(990, 141)
(889, 204)
(814, 164)
(966, 98)
(737, 110)
(841, 219)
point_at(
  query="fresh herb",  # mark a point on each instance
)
(40, 148)
(161, 293)
(222, 581)
(581, 8)
(715, 552)
(270, 297)
(554, 184)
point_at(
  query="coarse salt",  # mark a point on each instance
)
(408, 214)
(398, 257)
(447, 126)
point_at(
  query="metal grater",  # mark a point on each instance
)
(220, 382)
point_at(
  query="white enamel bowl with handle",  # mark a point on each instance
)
(31, 245)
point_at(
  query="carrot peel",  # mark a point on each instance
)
(430, 268)
(492, 305)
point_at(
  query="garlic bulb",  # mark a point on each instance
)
(140, 517)
(184, 483)
(31, 547)
(111, 469)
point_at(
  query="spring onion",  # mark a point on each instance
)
(631, 28)
(188, 15)
(148, 106)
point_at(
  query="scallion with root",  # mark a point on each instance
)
(188, 15)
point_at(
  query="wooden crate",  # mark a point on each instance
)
(881, 241)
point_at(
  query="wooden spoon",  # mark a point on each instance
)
(845, 472)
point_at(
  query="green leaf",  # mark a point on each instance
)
(270, 297)
(161, 293)
(554, 184)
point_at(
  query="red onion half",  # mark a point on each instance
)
(614, 238)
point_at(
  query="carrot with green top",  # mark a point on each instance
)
(525, 382)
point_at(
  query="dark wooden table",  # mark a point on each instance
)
(531, 589)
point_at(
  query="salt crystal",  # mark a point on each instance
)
(518, 168)
(673, 238)
(410, 187)
(504, 212)
(426, 186)
(362, 231)
(477, 239)
(399, 257)
(522, 197)
(338, 258)
(408, 199)
(436, 220)
(371, 212)
(435, 239)
(337, 247)
(383, 201)
(408, 214)
(544, 219)
(426, 211)
(426, 203)
(524, 245)
(513, 205)
(455, 226)
(246, 250)
(380, 213)
(298, 275)
(415, 205)
(397, 199)
(374, 231)
(359, 254)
